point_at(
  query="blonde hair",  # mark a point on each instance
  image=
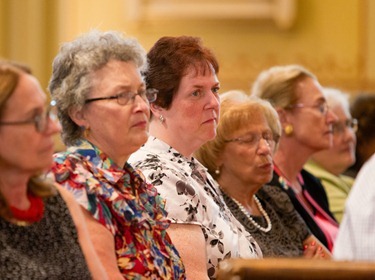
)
(277, 84)
(235, 114)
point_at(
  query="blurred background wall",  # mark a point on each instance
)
(335, 39)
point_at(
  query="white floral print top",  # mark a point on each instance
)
(193, 197)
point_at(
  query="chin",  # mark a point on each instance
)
(139, 141)
(211, 135)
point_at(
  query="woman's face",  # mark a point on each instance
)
(118, 130)
(22, 147)
(342, 153)
(193, 115)
(249, 157)
(311, 119)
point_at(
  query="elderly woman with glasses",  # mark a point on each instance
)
(42, 230)
(306, 123)
(328, 165)
(103, 105)
(240, 159)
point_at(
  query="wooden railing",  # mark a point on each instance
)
(306, 269)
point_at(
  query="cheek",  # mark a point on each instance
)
(26, 150)
(240, 158)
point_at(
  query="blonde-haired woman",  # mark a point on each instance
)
(240, 159)
(306, 122)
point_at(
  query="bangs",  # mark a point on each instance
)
(238, 117)
(201, 68)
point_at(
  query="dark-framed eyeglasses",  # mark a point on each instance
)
(322, 107)
(253, 139)
(339, 127)
(40, 121)
(149, 95)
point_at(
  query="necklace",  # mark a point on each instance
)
(287, 183)
(261, 210)
(31, 215)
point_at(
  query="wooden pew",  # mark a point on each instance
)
(306, 269)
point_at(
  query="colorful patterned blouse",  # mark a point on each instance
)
(128, 207)
(193, 197)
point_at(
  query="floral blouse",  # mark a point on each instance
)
(193, 197)
(128, 207)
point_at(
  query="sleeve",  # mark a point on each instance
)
(355, 240)
(183, 201)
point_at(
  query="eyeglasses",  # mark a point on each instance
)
(40, 121)
(339, 127)
(148, 95)
(253, 139)
(322, 107)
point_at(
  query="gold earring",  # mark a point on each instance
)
(86, 132)
(288, 129)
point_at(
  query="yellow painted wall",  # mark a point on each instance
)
(333, 38)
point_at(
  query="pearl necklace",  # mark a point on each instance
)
(261, 210)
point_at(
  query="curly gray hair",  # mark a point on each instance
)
(74, 65)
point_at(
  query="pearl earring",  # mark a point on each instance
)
(161, 119)
(217, 171)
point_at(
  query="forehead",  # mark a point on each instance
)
(309, 91)
(27, 95)
(117, 72)
(341, 112)
(256, 122)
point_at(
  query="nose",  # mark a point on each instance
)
(349, 135)
(141, 104)
(264, 148)
(54, 126)
(331, 117)
(213, 101)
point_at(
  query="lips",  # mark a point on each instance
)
(141, 123)
(49, 148)
(213, 117)
(211, 120)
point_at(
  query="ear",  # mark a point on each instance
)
(156, 110)
(77, 116)
(283, 116)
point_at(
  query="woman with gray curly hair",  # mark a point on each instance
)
(103, 106)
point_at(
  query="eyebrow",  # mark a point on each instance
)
(200, 86)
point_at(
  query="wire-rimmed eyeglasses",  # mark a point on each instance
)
(148, 95)
(322, 107)
(339, 127)
(253, 139)
(40, 120)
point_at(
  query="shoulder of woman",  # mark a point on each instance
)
(66, 195)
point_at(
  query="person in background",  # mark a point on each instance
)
(42, 230)
(328, 165)
(184, 117)
(363, 109)
(240, 160)
(355, 240)
(306, 122)
(104, 108)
